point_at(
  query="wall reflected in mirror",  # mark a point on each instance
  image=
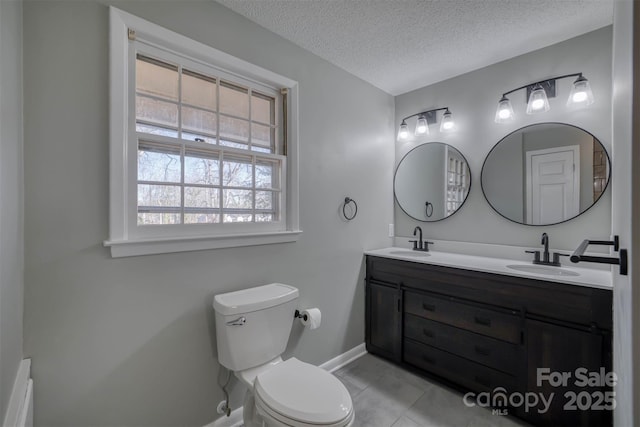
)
(432, 182)
(545, 174)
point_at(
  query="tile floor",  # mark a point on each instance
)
(385, 395)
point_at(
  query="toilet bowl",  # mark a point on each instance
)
(252, 329)
(295, 393)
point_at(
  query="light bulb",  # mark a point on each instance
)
(403, 133)
(538, 101)
(504, 112)
(422, 127)
(447, 124)
(581, 94)
(579, 97)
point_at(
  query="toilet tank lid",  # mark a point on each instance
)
(254, 299)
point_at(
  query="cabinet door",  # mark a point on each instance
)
(563, 350)
(383, 334)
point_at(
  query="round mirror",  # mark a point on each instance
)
(432, 182)
(545, 174)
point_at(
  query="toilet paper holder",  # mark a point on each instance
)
(298, 315)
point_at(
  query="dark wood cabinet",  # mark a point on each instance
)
(481, 331)
(563, 350)
(383, 320)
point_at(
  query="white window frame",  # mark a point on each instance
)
(126, 238)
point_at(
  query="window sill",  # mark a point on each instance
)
(127, 248)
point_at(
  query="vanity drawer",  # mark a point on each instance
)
(469, 374)
(385, 270)
(491, 352)
(502, 325)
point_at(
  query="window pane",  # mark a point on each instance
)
(156, 130)
(259, 149)
(238, 199)
(201, 170)
(262, 217)
(201, 218)
(234, 128)
(234, 100)
(158, 195)
(157, 164)
(198, 138)
(201, 197)
(148, 218)
(265, 200)
(245, 217)
(266, 175)
(226, 143)
(198, 120)
(262, 108)
(155, 111)
(261, 135)
(156, 78)
(237, 173)
(198, 90)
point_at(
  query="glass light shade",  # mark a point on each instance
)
(504, 112)
(422, 127)
(581, 94)
(538, 102)
(403, 133)
(447, 124)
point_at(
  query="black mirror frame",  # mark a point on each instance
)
(395, 198)
(543, 123)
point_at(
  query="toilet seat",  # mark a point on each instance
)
(300, 394)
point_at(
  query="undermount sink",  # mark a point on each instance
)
(410, 253)
(543, 269)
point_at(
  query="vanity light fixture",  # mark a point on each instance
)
(403, 133)
(447, 124)
(504, 113)
(538, 94)
(538, 101)
(581, 94)
(422, 127)
(426, 118)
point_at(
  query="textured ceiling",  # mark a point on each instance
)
(401, 45)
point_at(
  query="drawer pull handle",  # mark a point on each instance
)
(483, 381)
(483, 321)
(481, 350)
(428, 333)
(428, 307)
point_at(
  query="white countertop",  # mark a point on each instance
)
(586, 276)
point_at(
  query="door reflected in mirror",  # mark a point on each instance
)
(545, 174)
(432, 182)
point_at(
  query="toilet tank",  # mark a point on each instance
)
(253, 325)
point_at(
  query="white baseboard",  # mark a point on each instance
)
(20, 409)
(345, 358)
(235, 419)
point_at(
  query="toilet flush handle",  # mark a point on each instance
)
(238, 322)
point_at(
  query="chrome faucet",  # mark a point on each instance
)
(545, 255)
(419, 244)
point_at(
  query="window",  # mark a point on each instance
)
(197, 146)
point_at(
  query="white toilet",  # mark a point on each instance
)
(252, 328)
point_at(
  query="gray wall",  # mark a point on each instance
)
(11, 194)
(131, 341)
(473, 99)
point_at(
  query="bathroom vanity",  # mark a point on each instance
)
(474, 324)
